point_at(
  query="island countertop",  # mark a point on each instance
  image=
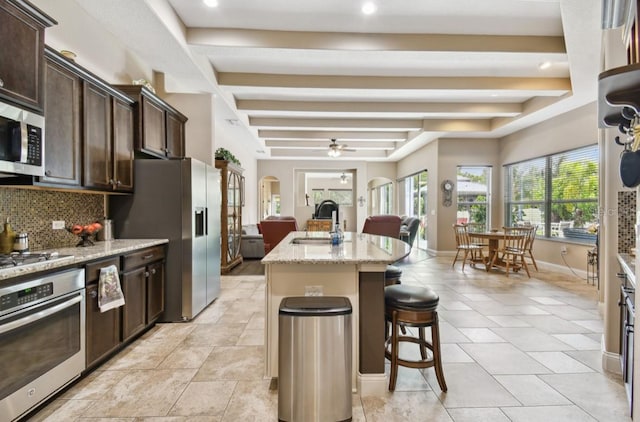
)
(357, 248)
(79, 255)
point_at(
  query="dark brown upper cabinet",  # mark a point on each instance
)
(63, 100)
(22, 28)
(159, 128)
(108, 139)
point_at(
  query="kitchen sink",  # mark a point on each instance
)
(311, 240)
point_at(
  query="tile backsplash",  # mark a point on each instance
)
(33, 210)
(626, 221)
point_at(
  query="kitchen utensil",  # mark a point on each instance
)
(21, 243)
(106, 233)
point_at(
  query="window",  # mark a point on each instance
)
(340, 196)
(474, 184)
(558, 193)
(381, 199)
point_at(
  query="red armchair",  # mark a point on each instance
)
(383, 225)
(274, 230)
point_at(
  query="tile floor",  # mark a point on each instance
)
(514, 349)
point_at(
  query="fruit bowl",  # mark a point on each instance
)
(85, 232)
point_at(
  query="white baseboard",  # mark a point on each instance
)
(562, 269)
(372, 384)
(610, 361)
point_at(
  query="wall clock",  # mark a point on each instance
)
(447, 192)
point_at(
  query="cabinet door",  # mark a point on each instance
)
(175, 136)
(134, 309)
(22, 57)
(97, 137)
(122, 146)
(103, 329)
(155, 291)
(153, 127)
(63, 158)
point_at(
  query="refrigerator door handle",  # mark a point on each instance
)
(206, 221)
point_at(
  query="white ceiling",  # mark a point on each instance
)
(296, 74)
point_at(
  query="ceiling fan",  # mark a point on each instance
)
(336, 149)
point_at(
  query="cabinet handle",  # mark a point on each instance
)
(93, 294)
(47, 173)
(148, 256)
(118, 183)
(111, 182)
(1, 83)
(146, 273)
(153, 271)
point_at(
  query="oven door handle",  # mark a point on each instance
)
(4, 328)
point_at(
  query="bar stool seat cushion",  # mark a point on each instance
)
(392, 272)
(410, 298)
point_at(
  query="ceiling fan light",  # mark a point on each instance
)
(334, 153)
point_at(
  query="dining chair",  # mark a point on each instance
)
(513, 249)
(529, 246)
(464, 244)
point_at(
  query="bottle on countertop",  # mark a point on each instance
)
(7, 237)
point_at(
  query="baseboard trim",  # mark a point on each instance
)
(562, 269)
(372, 384)
(610, 361)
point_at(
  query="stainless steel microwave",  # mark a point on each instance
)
(21, 141)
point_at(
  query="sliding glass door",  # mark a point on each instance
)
(413, 202)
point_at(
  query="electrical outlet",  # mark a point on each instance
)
(563, 250)
(313, 290)
(57, 224)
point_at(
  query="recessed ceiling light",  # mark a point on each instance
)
(211, 3)
(544, 65)
(369, 8)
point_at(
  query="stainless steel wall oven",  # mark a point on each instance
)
(42, 339)
(627, 319)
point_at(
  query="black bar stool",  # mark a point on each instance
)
(392, 275)
(414, 307)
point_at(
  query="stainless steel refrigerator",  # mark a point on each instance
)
(178, 200)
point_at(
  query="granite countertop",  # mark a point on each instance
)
(357, 248)
(628, 264)
(79, 256)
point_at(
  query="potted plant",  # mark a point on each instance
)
(225, 154)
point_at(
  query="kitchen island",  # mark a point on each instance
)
(306, 263)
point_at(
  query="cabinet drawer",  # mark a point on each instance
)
(92, 270)
(142, 258)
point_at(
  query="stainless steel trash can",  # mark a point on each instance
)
(314, 359)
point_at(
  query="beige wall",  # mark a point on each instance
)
(285, 171)
(96, 49)
(200, 128)
(426, 158)
(567, 131)
(464, 152)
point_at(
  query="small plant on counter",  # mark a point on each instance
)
(225, 154)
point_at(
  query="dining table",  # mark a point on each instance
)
(494, 237)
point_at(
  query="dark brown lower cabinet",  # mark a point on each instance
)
(134, 310)
(103, 329)
(155, 291)
(142, 279)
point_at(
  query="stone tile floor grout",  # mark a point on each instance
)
(514, 349)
